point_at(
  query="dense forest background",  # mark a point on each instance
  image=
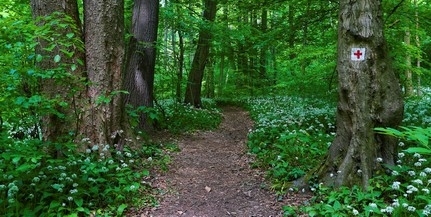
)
(275, 58)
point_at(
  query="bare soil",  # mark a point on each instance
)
(212, 176)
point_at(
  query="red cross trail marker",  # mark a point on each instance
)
(357, 54)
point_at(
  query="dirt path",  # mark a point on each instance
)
(211, 175)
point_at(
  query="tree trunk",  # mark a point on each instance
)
(263, 57)
(194, 84)
(69, 89)
(409, 80)
(418, 44)
(141, 60)
(210, 86)
(369, 96)
(104, 43)
(178, 92)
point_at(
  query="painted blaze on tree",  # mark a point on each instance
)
(369, 96)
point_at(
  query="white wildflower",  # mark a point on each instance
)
(396, 185)
(355, 212)
(418, 181)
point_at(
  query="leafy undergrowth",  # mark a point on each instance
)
(33, 183)
(179, 118)
(99, 182)
(290, 135)
(403, 192)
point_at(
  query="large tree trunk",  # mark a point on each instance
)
(194, 84)
(369, 96)
(139, 78)
(56, 127)
(104, 43)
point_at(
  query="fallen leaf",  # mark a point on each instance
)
(208, 189)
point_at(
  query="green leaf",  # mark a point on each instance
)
(54, 204)
(419, 150)
(15, 160)
(57, 58)
(25, 168)
(79, 202)
(39, 58)
(337, 205)
(70, 35)
(121, 209)
(73, 67)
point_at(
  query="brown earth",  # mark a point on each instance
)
(212, 177)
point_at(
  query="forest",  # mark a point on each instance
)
(338, 93)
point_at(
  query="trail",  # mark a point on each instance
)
(211, 176)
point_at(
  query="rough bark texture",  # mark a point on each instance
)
(104, 24)
(66, 89)
(369, 96)
(194, 84)
(141, 60)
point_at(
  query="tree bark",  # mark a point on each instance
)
(69, 89)
(369, 96)
(141, 60)
(408, 85)
(104, 43)
(263, 57)
(180, 65)
(194, 84)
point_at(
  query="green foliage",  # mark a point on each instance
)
(21, 101)
(290, 136)
(418, 110)
(100, 180)
(184, 118)
(403, 192)
(416, 135)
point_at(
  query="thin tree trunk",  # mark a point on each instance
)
(180, 65)
(263, 57)
(194, 84)
(418, 44)
(408, 72)
(210, 76)
(140, 67)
